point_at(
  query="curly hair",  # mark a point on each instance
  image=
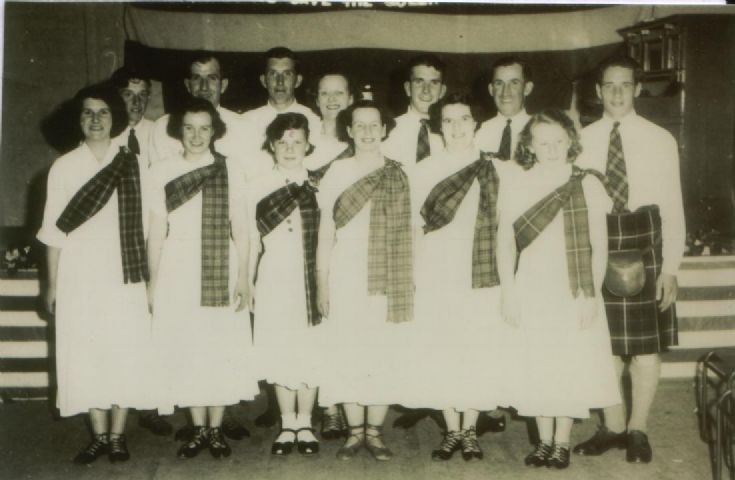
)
(283, 122)
(346, 119)
(108, 95)
(196, 105)
(524, 155)
(461, 97)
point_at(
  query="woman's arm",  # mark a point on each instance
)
(156, 236)
(239, 224)
(327, 231)
(52, 266)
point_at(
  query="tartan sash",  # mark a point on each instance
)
(390, 245)
(441, 206)
(123, 175)
(274, 209)
(569, 198)
(211, 180)
(316, 175)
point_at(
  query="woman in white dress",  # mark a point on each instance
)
(365, 278)
(284, 225)
(460, 334)
(553, 221)
(94, 232)
(198, 259)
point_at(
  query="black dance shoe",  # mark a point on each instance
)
(283, 448)
(118, 449)
(540, 455)
(100, 446)
(154, 423)
(198, 442)
(233, 429)
(638, 448)
(310, 447)
(451, 443)
(602, 441)
(559, 458)
(470, 446)
(333, 426)
(487, 423)
(217, 445)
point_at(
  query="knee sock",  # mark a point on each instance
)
(645, 371)
(563, 431)
(614, 416)
(545, 429)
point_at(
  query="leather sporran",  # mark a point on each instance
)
(626, 274)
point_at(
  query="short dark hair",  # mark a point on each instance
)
(525, 157)
(619, 61)
(203, 56)
(283, 122)
(195, 105)
(109, 95)
(428, 60)
(508, 61)
(122, 76)
(435, 110)
(280, 52)
(385, 118)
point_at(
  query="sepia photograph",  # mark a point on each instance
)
(367, 240)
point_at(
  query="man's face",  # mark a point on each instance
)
(135, 96)
(205, 81)
(509, 89)
(617, 91)
(424, 87)
(281, 80)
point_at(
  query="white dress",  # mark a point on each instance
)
(286, 345)
(367, 353)
(204, 353)
(326, 149)
(565, 370)
(102, 324)
(460, 338)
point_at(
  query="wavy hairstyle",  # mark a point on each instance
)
(525, 157)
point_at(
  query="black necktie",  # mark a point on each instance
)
(133, 144)
(423, 148)
(504, 149)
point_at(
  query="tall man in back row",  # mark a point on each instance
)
(641, 163)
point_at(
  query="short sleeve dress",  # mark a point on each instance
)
(368, 354)
(102, 324)
(204, 353)
(565, 370)
(286, 346)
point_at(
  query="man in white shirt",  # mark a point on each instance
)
(280, 78)
(411, 139)
(510, 84)
(641, 163)
(206, 81)
(135, 89)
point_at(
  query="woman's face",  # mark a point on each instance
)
(196, 132)
(290, 149)
(550, 143)
(333, 96)
(95, 119)
(366, 130)
(458, 126)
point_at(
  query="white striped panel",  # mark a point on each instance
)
(23, 349)
(708, 259)
(20, 319)
(706, 339)
(19, 287)
(706, 278)
(705, 308)
(678, 370)
(31, 379)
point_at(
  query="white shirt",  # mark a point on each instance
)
(143, 131)
(403, 139)
(490, 134)
(231, 145)
(326, 149)
(652, 165)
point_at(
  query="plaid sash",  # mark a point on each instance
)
(441, 206)
(212, 182)
(390, 249)
(316, 175)
(569, 198)
(274, 209)
(123, 175)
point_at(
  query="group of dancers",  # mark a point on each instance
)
(358, 261)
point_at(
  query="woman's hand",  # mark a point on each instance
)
(510, 306)
(49, 299)
(150, 289)
(587, 311)
(322, 296)
(242, 296)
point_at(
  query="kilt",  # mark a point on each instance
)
(636, 325)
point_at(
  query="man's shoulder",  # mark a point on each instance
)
(653, 130)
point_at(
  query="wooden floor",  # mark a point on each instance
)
(34, 445)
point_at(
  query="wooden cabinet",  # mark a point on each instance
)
(689, 88)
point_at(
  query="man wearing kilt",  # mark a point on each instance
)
(641, 164)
